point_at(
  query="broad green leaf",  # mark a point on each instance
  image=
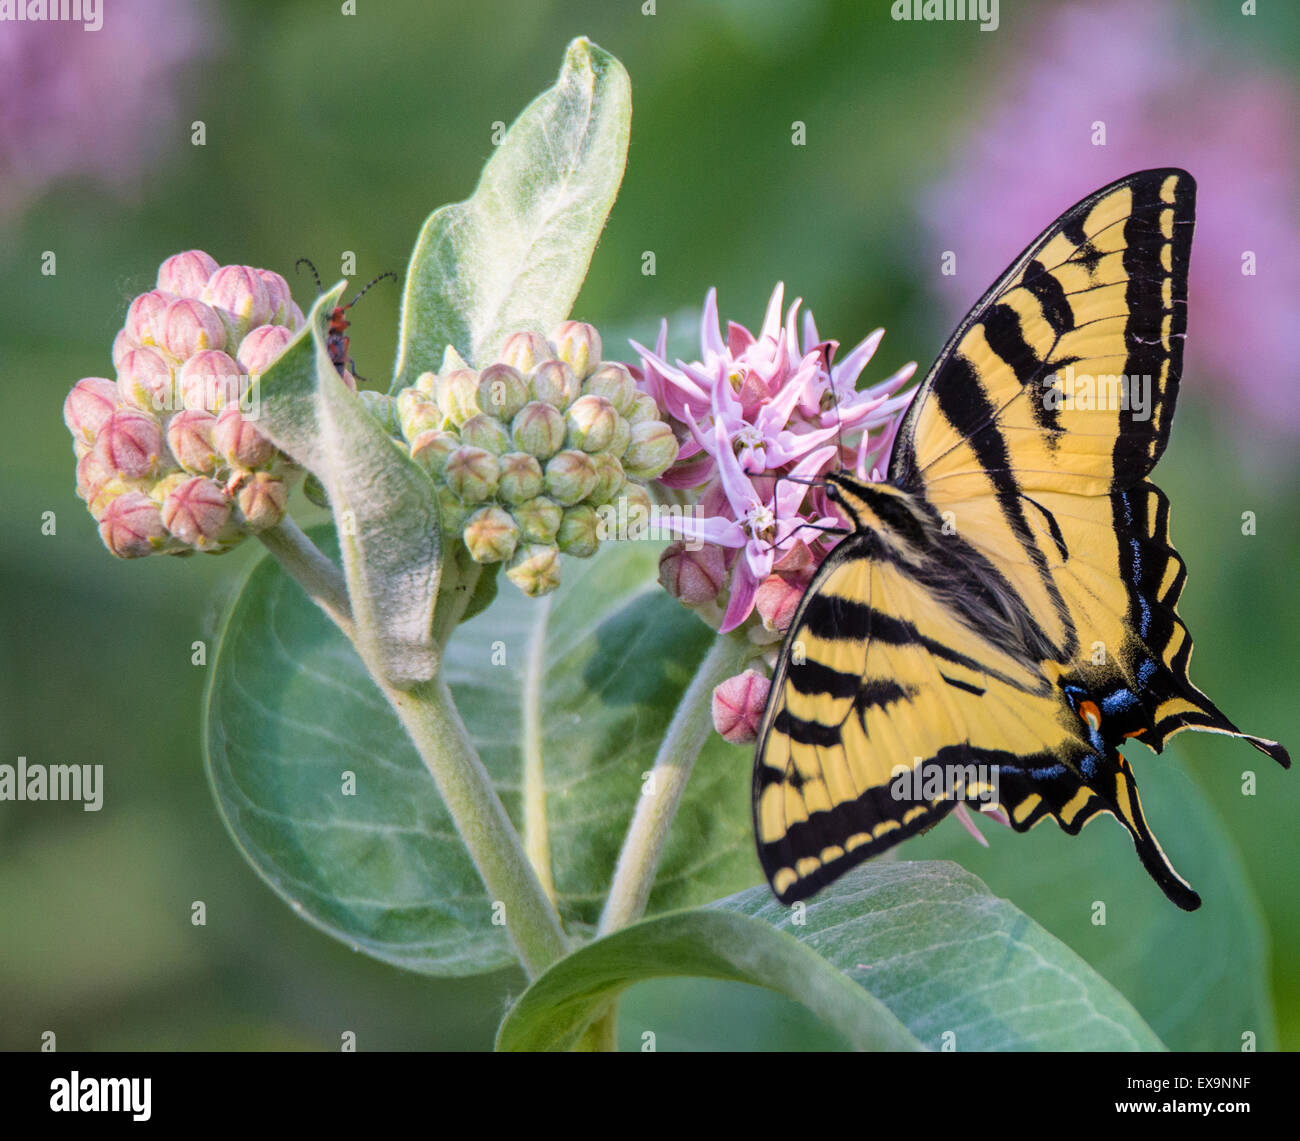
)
(382, 502)
(515, 254)
(291, 710)
(947, 956)
(1200, 979)
(553, 1012)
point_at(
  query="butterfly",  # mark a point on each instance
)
(1001, 616)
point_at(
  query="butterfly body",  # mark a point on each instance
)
(1001, 618)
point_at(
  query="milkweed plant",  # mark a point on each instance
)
(453, 773)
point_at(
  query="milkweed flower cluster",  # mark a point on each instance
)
(169, 458)
(760, 419)
(527, 452)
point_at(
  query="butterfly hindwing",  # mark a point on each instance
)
(1007, 599)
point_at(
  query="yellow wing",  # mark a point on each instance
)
(1007, 600)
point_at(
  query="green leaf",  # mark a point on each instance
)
(291, 709)
(945, 954)
(1200, 979)
(515, 254)
(383, 503)
(553, 1012)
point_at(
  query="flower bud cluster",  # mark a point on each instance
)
(526, 451)
(169, 458)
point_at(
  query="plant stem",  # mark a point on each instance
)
(434, 724)
(687, 732)
(537, 840)
(316, 574)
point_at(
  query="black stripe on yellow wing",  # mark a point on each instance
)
(1097, 783)
(879, 678)
(1101, 294)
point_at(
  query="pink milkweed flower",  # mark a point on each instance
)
(760, 419)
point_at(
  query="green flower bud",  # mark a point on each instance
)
(579, 344)
(538, 519)
(262, 500)
(431, 449)
(132, 526)
(612, 381)
(643, 408)
(609, 478)
(425, 382)
(535, 569)
(486, 432)
(521, 477)
(384, 409)
(490, 535)
(538, 430)
(524, 351)
(189, 436)
(416, 412)
(639, 506)
(315, 491)
(197, 512)
(472, 474)
(570, 477)
(578, 534)
(452, 360)
(590, 423)
(622, 437)
(457, 394)
(650, 451)
(502, 391)
(554, 382)
(451, 512)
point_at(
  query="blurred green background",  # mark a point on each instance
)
(328, 133)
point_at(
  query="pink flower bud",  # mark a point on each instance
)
(146, 380)
(140, 317)
(295, 319)
(130, 444)
(240, 298)
(91, 402)
(738, 705)
(132, 526)
(196, 511)
(262, 499)
(209, 380)
(262, 348)
(236, 439)
(591, 422)
(777, 598)
(186, 274)
(122, 344)
(187, 327)
(189, 435)
(278, 291)
(692, 577)
(92, 474)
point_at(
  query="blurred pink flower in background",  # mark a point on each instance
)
(96, 104)
(1168, 96)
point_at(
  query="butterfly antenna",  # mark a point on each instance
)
(305, 261)
(366, 288)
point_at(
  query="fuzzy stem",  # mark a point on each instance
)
(537, 841)
(431, 719)
(316, 574)
(689, 729)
